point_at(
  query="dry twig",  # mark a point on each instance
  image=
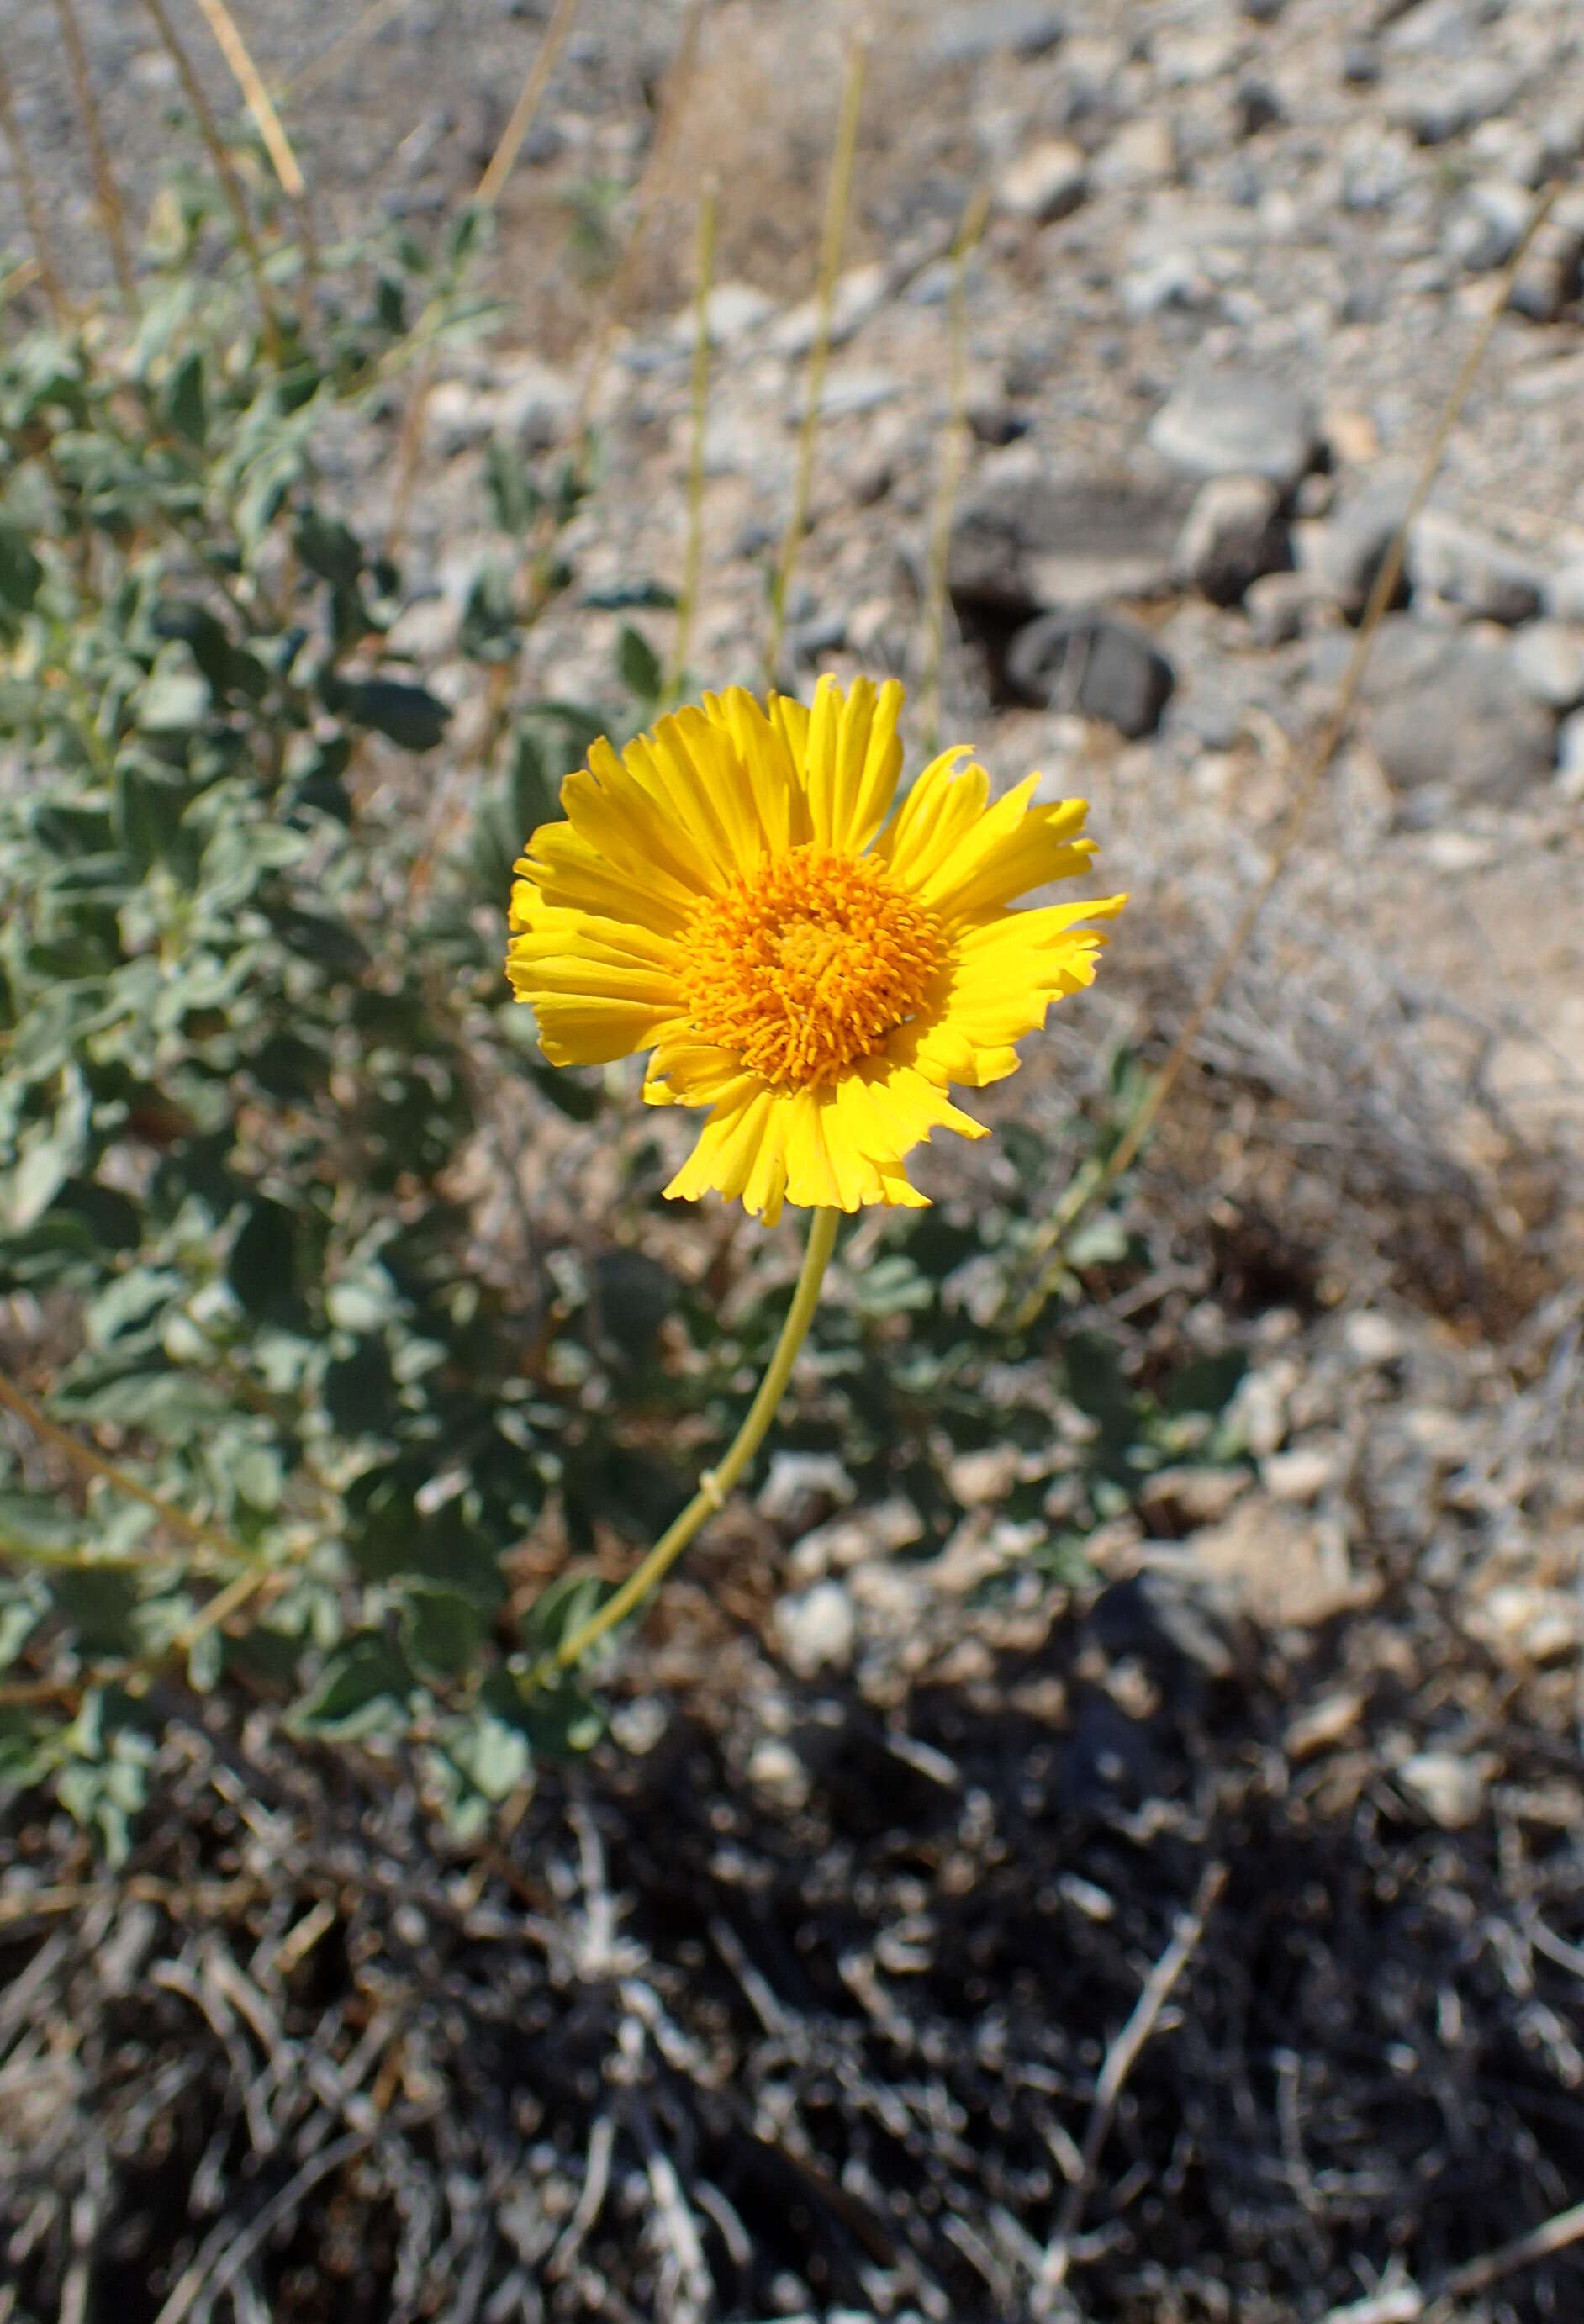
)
(837, 203)
(27, 187)
(1119, 2062)
(255, 96)
(112, 213)
(1406, 2303)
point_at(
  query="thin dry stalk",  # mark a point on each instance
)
(1119, 2062)
(837, 202)
(490, 187)
(27, 187)
(493, 184)
(953, 460)
(89, 1462)
(19, 278)
(1406, 2304)
(693, 558)
(1317, 765)
(254, 96)
(107, 193)
(330, 61)
(225, 168)
(650, 185)
(267, 120)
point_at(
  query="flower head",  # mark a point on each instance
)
(730, 895)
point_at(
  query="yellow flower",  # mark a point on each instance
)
(730, 894)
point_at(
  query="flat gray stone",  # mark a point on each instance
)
(1345, 552)
(1564, 595)
(1468, 568)
(1234, 534)
(1549, 658)
(1440, 102)
(985, 28)
(1028, 539)
(1094, 664)
(1484, 227)
(1045, 182)
(1232, 423)
(1449, 712)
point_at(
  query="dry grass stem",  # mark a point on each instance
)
(330, 60)
(1119, 2062)
(493, 184)
(27, 187)
(18, 279)
(112, 212)
(953, 460)
(692, 556)
(1406, 2304)
(488, 192)
(225, 168)
(837, 203)
(255, 96)
(651, 185)
(1316, 766)
(89, 1462)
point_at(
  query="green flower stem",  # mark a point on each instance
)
(716, 1485)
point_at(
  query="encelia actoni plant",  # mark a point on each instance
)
(735, 895)
(280, 1417)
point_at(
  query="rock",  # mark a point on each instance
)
(1570, 759)
(1451, 711)
(1093, 663)
(1045, 182)
(1469, 568)
(1302, 1474)
(1255, 107)
(843, 1542)
(1257, 1415)
(1323, 1723)
(804, 1486)
(1277, 606)
(775, 1769)
(1026, 539)
(982, 28)
(1484, 228)
(1263, 12)
(1380, 167)
(1522, 1623)
(1160, 1618)
(1440, 102)
(1282, 1568)
(1231, 423)
(1564, 595)
(975, 1480)
(858, 293)
(994, 421)
(848, 394)
(534, 403)
(1233, 535)
(1346, 552)
(817, 1630)
(1172, 282)
(1552, 273)
(1445, 1786)
(1549, 658)
(1143, 152)
(731, 311)
(1372, 1338)
(1360, 64)
(1182, 1498)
